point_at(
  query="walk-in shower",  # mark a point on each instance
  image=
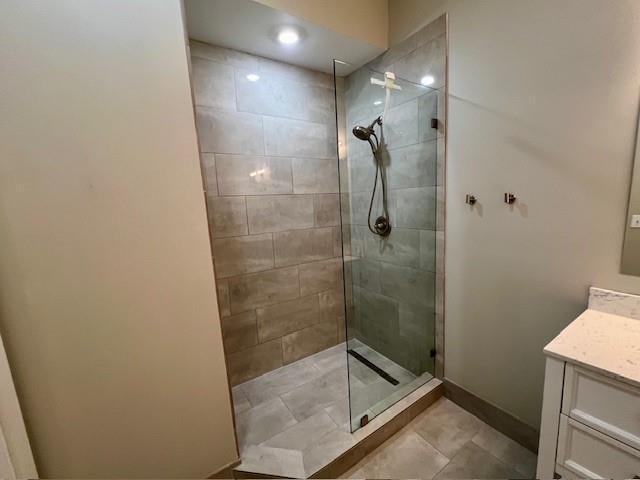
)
(388, 172)
(322, 202)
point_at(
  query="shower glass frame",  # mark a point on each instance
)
(390, 321)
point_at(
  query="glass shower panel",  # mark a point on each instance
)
(389, 243)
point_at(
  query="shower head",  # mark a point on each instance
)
(363, 133)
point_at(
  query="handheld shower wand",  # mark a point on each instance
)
(382, 225)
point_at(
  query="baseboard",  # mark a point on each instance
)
(504, 422)
(226, 471)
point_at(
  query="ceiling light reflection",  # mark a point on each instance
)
(427, 80)
(288, 36)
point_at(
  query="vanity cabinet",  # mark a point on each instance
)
(591, 408)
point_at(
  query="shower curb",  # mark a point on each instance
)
(381, 433)
(375, 433)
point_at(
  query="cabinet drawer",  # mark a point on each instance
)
(590, 454)
(606, 405)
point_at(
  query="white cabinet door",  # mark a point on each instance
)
(602, 403)
(590, 454)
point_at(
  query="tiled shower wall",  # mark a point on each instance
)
(270, 166)
(396, 284)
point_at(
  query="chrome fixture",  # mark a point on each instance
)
(382, 225)
(470, 199)
(509, 198)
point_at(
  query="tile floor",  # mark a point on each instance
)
(447, 442)
(295, 420)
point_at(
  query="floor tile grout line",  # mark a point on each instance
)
(511, 465)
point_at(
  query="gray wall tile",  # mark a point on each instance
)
(337, 241)
(428, 59)
(326, 210)
(320, 276)
(417, 323)
(440, 252)
(280, 212)
(402, 247)
(264, 288)
(311, 340)
(278, 96)
(238, 255)
(314, 175)
(222, 131)
(239, 332)
(432, 31)
(383, 62)
(440, 147)
(300, 246)
(441, 208)
(362, 170)
(412, 166)
(428, 109)
(378, 316)
(222, 288)
(366, 274)
(252, 175)
(295, 138)
(295, 73)
(213, 84)
(227, 216)
(278, 320)
(332, 305)
(408, 285)
(227, 56)
(254, 361)
(442, 109)
(401, 127)
(416, 207)
(210, 181)
(360, 202)
(428, 250)
(245, 264)
(439, 294)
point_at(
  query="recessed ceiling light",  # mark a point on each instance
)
(427, 80)
(378, 102)
(252, 77)
(288, 36)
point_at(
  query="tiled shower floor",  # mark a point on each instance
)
(295, 420)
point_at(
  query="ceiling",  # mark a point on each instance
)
(251, 27)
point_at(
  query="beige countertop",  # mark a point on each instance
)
(606, 343)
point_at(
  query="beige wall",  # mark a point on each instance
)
(107, 297)
(365, 20)
(543, 102)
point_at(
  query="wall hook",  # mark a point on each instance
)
(509, 198)
(470, 199)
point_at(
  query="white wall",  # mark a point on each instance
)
(107, 297)
(544, 103)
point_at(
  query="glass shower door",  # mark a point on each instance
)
(389, 243)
